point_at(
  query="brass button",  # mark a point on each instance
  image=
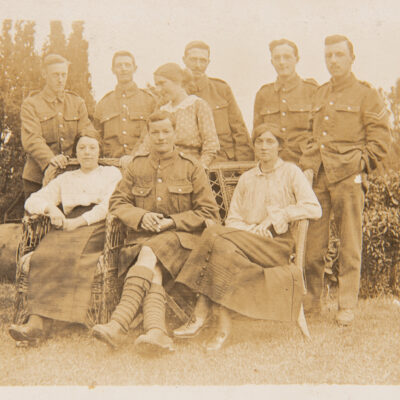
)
(159, 180)
(159, 198)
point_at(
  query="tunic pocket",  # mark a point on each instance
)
(221, 119)
(137, 122)
(300, 114)
(49, 127)
(181, 196)
(141, 194)
(271, 114)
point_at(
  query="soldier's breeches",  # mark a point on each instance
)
(346, 199)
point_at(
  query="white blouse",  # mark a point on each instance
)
(76, 188)
(283, 195)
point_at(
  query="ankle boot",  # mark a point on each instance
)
(223, 331)
(32, 330)
(136, 285)
(156, 338)
(201, 314)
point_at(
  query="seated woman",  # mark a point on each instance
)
(62, 266)
(245, 266)
(195, 129)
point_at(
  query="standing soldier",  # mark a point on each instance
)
(51, 118)
(287, 101)
(121, 115)
(232, 132)
(350, 136)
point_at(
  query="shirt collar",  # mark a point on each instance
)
(130, 89)
(287, 85)
(278, 164)
(343, 83)
(50, 96)
(164, 161)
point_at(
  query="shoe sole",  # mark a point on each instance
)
(148, 348)
(197, 333)
(103, 337)
(21, 337)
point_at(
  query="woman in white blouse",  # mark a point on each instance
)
(245, 265)
(63, 265)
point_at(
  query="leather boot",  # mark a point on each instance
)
(32, 330)
(136, 285)
(197, 322)
(223, 331)
(156, 338)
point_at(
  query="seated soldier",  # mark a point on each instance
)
(244, 266)
(165, 199)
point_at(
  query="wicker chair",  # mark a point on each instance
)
(107, 286)
(35, 228)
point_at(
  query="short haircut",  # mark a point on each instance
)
(280, 42)
(123, 53)
(333, 39)
(197, 44)
(90, 133)
(161, 115)
(52, 58)
(268, 127)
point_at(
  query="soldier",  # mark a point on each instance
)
(232, 132)
(51, 118)
(165, 199)
(350, 136)
(121, 115)
(287, 101)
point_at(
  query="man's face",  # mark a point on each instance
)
(124, 69)
(56, 76)
(162, 136)
(266, 147)
(197, 61)
(284, 60)
(338, 59)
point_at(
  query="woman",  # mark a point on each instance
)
(63, 265)
(244, 266)
(195, 130)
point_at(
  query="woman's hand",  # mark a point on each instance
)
(262, 229)
(71, 224)
(57, 218)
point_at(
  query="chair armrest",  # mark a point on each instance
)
(115, 237)
(34, 227)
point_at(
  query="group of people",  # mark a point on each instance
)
(165, 140)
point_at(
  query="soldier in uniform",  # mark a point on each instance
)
(232, 133)
(165, 199)
(51, 118)
(121, 115)
(350, 136)
(287, 101)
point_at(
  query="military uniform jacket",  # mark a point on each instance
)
(176, 186)
(232, 133)
(121, 118)
(287, 105)
(49, 126)
(350, 123)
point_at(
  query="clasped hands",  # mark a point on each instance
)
(156, 222)
(262, 229)
(58, 219)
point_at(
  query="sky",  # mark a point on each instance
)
(238, 32)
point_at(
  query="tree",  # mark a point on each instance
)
(79, 78)
(56, 42)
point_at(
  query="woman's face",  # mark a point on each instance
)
(266, 147)
(168, 89)
(87, 153)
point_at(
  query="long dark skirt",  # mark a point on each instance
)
(62, 270)
(166, 247)
(246, 273)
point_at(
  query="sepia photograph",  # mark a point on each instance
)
(200, 198)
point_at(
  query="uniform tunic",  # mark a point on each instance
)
(350, 124)
(49, 126)
(175, 186)
(242, 270)
(288, 105)
(232, 133)
(121, 117)
(63, 265)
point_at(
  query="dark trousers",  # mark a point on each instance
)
(30, 187)
(346, 199)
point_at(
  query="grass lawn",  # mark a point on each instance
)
(259, 352)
